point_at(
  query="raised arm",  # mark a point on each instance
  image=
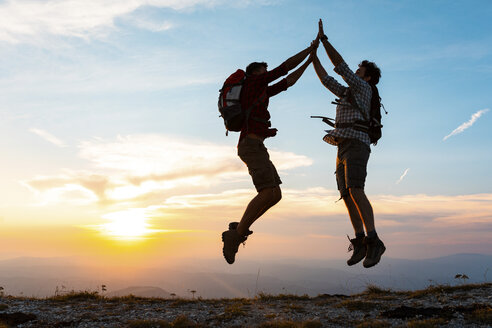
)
(329, 82)
(295, 60)
(294, 76)
(334, 56)
(320, 70)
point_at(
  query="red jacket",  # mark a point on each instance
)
(254, 87)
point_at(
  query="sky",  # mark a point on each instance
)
(113, 150)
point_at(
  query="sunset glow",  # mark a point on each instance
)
(127, 225)
(113, 149)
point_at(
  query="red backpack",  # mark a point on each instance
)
(230, 108)
(230, 102)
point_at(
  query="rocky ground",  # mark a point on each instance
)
(436, 306)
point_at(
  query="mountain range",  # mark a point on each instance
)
(41, 277)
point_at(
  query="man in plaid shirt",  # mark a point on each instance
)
(255, 94)
(353, 146)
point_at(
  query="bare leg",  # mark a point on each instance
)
(354, 214)
(364, 207)
(262, 202)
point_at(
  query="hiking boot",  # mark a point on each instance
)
(232, 239)
(375, 248)
(359, 248)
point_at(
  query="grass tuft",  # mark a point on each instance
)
(181, 301)
(291, 324)
(282, 297)
(480, 316)
(357, 305)
(232, 311)
(76, 296)
(374, 323)
(446, 289)
(375, 290)
(427, 323)
(181, 321)
(149, 324)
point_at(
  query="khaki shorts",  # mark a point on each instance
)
(352, 158)
(255, 155)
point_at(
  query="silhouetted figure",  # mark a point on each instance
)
(256, 93)
(353, 146)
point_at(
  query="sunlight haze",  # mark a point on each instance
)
(113, 151)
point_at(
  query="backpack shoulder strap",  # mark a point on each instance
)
(354, 103)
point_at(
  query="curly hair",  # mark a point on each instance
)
(371, 70)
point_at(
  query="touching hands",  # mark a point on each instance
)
(314, 48)
(321, 32)
(315, 44)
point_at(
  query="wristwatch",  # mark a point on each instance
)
(324, 38)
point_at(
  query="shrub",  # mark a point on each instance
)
(76, 296)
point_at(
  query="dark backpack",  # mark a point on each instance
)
(230, 108)
(372, 124)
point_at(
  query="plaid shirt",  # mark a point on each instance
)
(254, 87)
(346, 112)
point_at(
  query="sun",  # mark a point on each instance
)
(131, 224)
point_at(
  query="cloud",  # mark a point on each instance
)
(48, 137)
(78, 18)
(93, 185)
(132, 167)
(299, 204)
(444, 211)
(25, 20)
(147, 23)
(67, 193)
(466, 125)
(311, 215)
(157, 158)
(144, 72)
(403, 176)
(309, 202)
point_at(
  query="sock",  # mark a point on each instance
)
(360, 234)
(372, 234)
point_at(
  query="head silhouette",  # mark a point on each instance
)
(370, 72)
(256, 68)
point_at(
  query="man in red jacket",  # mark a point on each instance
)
(256, 92)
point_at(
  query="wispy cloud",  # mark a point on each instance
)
(150, 24)
(300, 204)
(474, 208)
(79, 18)
(309, 202)
(48, 137)
(131, 167)
(23, 21)
(310, 218)
(466, 125)
(403, 176)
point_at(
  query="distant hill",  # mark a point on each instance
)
(141, 291)
(215, 279)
